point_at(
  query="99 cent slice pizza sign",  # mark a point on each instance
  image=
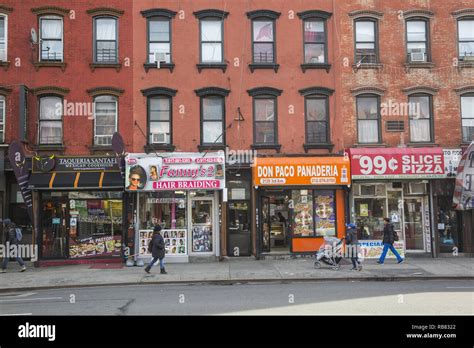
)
(397, 163)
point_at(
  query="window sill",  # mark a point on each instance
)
(318, 147)
(377, 66)
(115, 66)
(419, 65)
(222, 66)
(57, 147)
(466, 64)
(276, 147)
(169, 66)
(253, 67)
(307, 66)
(370, 145)
(422, 145)
(39, 65)
(5, 65)
(156, 147)
(212, 147)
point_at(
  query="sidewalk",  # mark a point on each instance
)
(234, 271)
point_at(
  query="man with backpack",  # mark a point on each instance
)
(389, 237)
(157, 250)
(353, 247)
(13, 237)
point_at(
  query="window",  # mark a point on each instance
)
(466, 39)
(51, 121)
(211, 41)
(467, 116)
(105, 40)
(420, 118)
(265, 120)
(105, 119)
(2, 119)
(159, 116)
(159, 40)
(417, 40)
(212, 120)
(263, 41)
(366, 41)
(314, 41)
(51, 38)
(3, 38)
(317, 128)
(368, 119)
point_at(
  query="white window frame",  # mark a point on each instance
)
(2, 117)
(5, 17)
(95, 119)
(40, 50)
(202, 40)
(40, 120)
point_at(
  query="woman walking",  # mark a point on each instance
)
(157, 249)
(388, 239)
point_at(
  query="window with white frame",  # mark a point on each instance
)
(2, 118)
(159, 40)
(105, 119)
(466, 39)
(211, 40)
(51, 38)
(159, 118)
(3, 38)
(420, 118)
(368, 119)
(105, 40)
(417, 40)
(51, 120)
(467, 116)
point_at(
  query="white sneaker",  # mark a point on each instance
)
(3, 271)
(23, 268)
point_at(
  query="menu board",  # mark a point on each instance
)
(202, 238)
(93, 247)
(175, 241)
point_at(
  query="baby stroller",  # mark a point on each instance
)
(329, 253)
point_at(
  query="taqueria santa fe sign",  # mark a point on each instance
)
(74, 164)
(276, 171)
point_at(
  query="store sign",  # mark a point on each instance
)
(94, 247)
(372, 249)
(67, 164)
(397, 163)
(464, 190)
(452, 157)
(281, 171)
(175, 171)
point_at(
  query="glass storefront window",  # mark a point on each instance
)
(168, 209)
(369, 217)
(302, 202)
(325, 214)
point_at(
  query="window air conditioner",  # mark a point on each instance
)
(160, 57)
(159, 138)
(417, 56)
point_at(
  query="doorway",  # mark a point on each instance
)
(413, 208)
(202, 225)
(274, 217)
(54, 226)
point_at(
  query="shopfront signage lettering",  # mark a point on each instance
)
(397, 163)
(76, 164)
(464, 191)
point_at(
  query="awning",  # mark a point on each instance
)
(79, 180)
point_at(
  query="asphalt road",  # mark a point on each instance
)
(298, 298)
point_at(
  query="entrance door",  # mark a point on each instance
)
(413, 208)
(55, 227)
(238, 220)
(202, 225)
(265, 224)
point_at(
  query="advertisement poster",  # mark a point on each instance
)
(452, 157)
(372, 249)
(364, 210)
(202, 238)
(397, 163)
(175, 171)
(175, 241)
(325, 214)
(93, 247)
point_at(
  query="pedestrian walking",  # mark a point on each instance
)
(157, 249)
(353, 246)
(389, 237)
(11, 239)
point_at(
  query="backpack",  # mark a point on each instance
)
(150, 245)
(18, 234)
(395, 235)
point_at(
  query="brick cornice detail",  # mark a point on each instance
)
(316, 90)
(464, 90)
(202, 92)
(310, 14)
(158, 12)
(50, 10)
(367, 90)
(5, 91)
(50, 90)
(365, 13)
(105, 11)
(150, 92)
(211, 13)
(463, 13)
(421, 89)
(94, 92)
(418, 13)
(263, 14)
(5, 9)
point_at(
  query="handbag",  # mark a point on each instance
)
(395, 235)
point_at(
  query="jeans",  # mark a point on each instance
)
(6, 259)
(387, 246)
(353, 250)
(153, 260)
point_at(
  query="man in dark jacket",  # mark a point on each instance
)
(388, 239)
(157, 248)
(353, 246)
(10, 240)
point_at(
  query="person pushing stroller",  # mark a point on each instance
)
(352, 244)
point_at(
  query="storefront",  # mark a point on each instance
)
(299, 201)
(78, 209)
(181, 192)
(395, 183)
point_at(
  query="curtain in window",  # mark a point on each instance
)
(105, 29)
(50, 120)
(420, 130)
(51, 29)
(105, 119)
(368, 131)
(2, 39)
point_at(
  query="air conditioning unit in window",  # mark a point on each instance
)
(417, 55)
(159, 138)
(160, 57)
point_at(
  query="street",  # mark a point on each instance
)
(432, 297)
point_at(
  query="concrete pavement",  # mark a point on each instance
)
(234, 270)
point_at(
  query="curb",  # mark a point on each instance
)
(239, 281)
